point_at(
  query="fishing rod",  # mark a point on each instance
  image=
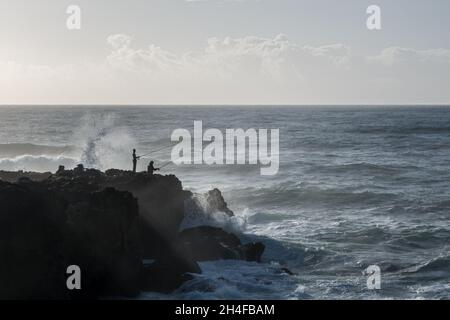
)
(166, 164)
(157, 150)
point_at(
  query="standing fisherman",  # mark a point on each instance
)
(135, 160)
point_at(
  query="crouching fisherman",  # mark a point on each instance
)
(151, 168)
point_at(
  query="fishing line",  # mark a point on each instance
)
(157, 150)
(166, 164)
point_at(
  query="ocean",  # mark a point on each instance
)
(357, 186)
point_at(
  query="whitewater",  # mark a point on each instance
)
(357, 186)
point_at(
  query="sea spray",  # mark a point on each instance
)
(198, 213)
(344, 172)
(104, 144)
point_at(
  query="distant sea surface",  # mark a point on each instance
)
(357, 186)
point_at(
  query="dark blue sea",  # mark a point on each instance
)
(357, 186)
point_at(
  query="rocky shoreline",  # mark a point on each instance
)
(121, 228)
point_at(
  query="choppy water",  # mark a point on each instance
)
(356, 187)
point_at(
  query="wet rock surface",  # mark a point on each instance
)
(206, 243)
(216, 202)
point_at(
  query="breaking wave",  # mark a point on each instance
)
(196, 213)
(354, 189)
(12, 150)
(104, 144)
(98, 143)
(42, 163)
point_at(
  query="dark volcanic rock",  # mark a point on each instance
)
(86, 218)
(103, 239)
(31, 260)
(209, 243)
(107, 224)
(252, 251)
(42, 233)
(161, 200)
(169, 272)
(205, 206)
(216, 202)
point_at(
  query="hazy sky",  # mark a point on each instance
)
(224, 52)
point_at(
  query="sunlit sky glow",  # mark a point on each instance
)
(224, 52)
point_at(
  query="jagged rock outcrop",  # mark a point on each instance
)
(161, 201)
(216, 202)
(89, 219)
(199, 208)
(169, 272)
(43, 231)
(102, 238)
(206, 243)
(108, 224)
(31, 261)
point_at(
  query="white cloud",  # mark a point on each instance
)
(251, 56)
(152, 59)
(235, 70)
(392, 55)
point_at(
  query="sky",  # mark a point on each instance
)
(224, 52)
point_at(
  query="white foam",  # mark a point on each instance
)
(41, 163)
(197, 213)
(235, 280)
(97, 143)
(104, 144)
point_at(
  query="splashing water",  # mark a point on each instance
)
(355, 188)
(104, 144)
(198, 213)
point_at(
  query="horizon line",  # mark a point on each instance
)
(229, 105)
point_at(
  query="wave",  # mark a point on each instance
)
(99, 144)
(11, 150)
(405, 130)
(365, 168)
(441, 263)
(41, 163)
(264, 217)
(236, 280)
(197, 214)
(439, 266)
(310, 196)
(414, 238)
(104, 144)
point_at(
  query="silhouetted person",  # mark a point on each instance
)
(151, 168)
(135, 160)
